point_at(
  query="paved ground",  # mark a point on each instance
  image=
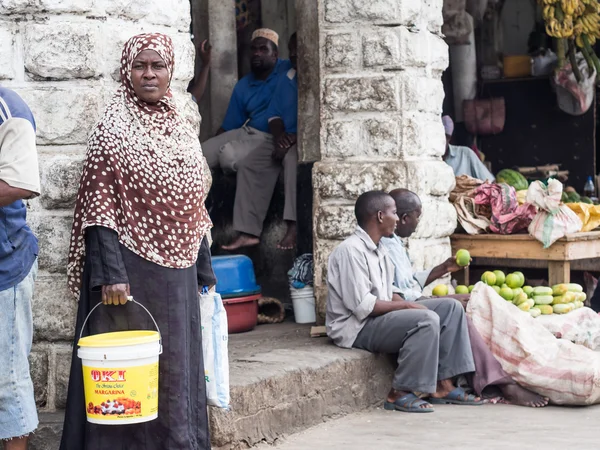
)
(488, 427)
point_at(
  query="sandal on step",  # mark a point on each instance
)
(457, 397)
(409, 403)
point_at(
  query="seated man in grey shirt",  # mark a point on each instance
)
(429, 337)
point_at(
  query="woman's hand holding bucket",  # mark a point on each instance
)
(115, 294)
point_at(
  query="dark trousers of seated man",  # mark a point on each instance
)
(257, 175)
(431, 344)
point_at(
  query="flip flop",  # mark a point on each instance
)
(409, 403)
(457, 397)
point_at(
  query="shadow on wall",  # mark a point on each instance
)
(270, 264)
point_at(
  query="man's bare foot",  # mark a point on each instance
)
(289, 240)
(243, 240)
(394, 395)
(518, 395)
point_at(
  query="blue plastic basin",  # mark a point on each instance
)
(235, 276)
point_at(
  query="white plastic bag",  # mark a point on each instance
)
(554, 220)
(214, 348)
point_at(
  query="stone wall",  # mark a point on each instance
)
(381, 96)
(62, 58)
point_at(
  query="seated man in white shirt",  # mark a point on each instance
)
(463, 160)
(430, 337)
(489, 379)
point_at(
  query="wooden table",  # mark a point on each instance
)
(522, 246)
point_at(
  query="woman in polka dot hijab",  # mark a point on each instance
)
(139, 229)
(144, 176)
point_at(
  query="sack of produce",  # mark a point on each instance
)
(588, 214)
(554, 220)
(507, 216)
(567, 373)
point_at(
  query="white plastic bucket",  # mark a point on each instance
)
(120, 375)
(303, 301)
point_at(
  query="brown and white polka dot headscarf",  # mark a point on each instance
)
(144, 175)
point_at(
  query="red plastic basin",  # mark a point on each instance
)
(242, 313)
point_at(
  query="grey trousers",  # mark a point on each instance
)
(248, 152)
(256, 179)
(431, 344)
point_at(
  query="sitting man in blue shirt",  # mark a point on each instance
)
(259, 171)
(463, 160)
(19, 179)
(246, 125)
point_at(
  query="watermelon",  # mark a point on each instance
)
(512, 178)
(587, 200)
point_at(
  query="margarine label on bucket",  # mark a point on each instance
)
(116, 394)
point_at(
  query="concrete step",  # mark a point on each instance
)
(282, 382)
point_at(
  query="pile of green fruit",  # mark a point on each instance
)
(570, 195)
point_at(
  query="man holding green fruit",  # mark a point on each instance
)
(489, 377)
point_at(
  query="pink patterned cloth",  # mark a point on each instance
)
(507, 216)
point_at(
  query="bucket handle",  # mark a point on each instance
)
(129, 299)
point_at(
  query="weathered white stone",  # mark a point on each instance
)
(409, 12)
(383, 137)
(432, 14)
(53, 232)
(342, 139)
(423, 135)
(422, 94)
(63, 115)
(62, 50)
(429, 177)
(54, 309)
(438, 218)
(185, 53)
(381, 48)
(335, 221)
(62, 371)
(337, 180)
(439, 55)
(7, 53)
(38, 368)
(428, 253)
(322, 250)
(415, 47)
(55, 6)
(338, 11)
(378, 93)
(175, 13)
(341, 51)
(60, 178)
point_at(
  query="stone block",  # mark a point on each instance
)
(63, 115)
(439, 58)
(54, 309)
(38, 368)
(409, 12)
(343, 11)
(62, 50)
(428, 253)
(335, 222)
(381, 48)
(438, 218)
(423, 135)
(60, 176)
(429, 177)
(185, 54)
(431, 13)
(322, 250)
(422, 94)
(47, 436)
(56, 6)
(341, 51)
(383, 137)
(175, 14)
(337, 180)
(352, 94)
(53, 232)
(7, 53)
(62, 371)
(343, 139)
(415, 47)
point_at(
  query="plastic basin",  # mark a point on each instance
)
(235, 276)
(242, 313)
